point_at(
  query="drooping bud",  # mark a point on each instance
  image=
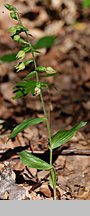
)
(20, 54)
(36, 91)
(13, 15)
(50, 70)
(20, 66)
(16, 38)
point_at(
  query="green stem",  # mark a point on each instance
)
(42, 100)
(50, 156)
(54, 182)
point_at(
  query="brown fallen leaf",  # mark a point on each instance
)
(44, 189)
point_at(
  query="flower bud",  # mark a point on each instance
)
(37, 91)
(50, 70)
(20, 66)
(16, 37)
(21, 54)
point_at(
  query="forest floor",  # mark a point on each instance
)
(68, 100)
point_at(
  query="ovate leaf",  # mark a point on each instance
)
(8, 57)
(34, 162)
(26, 123)
(64, 136)
(45, 42)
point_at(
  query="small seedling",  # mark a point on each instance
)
(35, 87)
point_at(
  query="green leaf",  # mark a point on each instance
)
(8, 57)
(45, 42)
(13, 15)
(28, 62)
(41, 84)
(64, 136)
(27, 48)
(24, 87)
(10, 7)
(52, 179)
(34, 162)
(26, 123)
(27, 86)
(30, 75)
(86, 3)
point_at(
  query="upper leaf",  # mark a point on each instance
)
(45, 42)
(64, 136)
(34, 162)
(26, 123)
(10, 7)
(27, 86)
(24, 87)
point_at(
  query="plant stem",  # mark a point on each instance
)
(42, 100)
(54, 183)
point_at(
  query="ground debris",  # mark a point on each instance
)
(8, 188)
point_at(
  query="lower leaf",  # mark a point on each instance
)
(34, 162)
